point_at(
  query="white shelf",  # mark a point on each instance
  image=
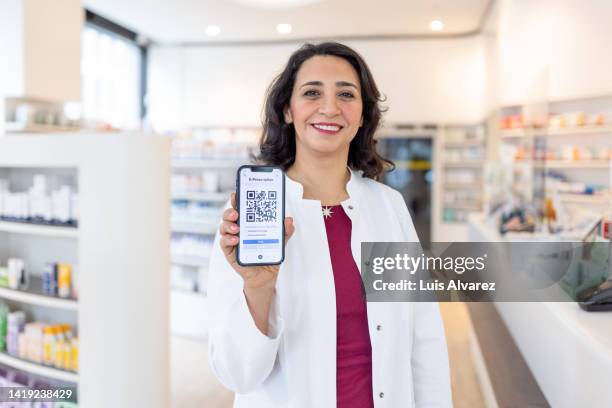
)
(195, 227)
(573, 164)
(465, 143)
(462, 185)
(38, 299)
(203, 196)
(512, 133)
(599, 199)
(467, 163)
(468, 206)
(583, 130)
(208, 163)
(38, 369)
(113, 170)
(37, 128)
(186, 260)
(40, 230)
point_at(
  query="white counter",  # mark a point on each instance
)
(568, 350)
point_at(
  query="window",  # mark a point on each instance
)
(111, 79)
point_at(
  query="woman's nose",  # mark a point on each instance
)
(329, 107)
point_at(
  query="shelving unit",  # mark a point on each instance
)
(557, 131)
(121, 205)
(573, 164)
(195, 261)
(38, 299)
(195, 227)
(575, 136)
(39, 230)
(213, 197)
(462, 167)
(39, 369)
(208, 158)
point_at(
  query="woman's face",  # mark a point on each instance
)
(326, 106)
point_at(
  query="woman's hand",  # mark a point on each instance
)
(255, 277)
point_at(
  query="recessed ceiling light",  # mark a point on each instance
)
(213, 30)
(436, 25)
(283, 28)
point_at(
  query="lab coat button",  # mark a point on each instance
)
(350, 207)
(379, 327)
(381, 395)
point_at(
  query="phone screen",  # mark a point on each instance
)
(261, 208)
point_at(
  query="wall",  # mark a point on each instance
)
(424, 80)
(52, 32)
(571, 37)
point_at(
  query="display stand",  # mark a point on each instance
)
(122, 261)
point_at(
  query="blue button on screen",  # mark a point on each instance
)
(260, 241)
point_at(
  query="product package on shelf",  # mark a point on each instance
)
(56, 280)
(53, 345)
(38, 205)
(215, 143)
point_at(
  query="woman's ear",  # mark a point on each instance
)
(287, 115)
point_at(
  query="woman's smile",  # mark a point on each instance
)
(327, 128)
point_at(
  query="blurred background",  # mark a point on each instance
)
(499, 122)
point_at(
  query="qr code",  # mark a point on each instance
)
(260, 206)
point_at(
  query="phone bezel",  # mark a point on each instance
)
(253, 166)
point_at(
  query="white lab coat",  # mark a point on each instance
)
(295, 365)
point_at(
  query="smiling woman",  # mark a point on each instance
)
(301, 334)
(349, 88)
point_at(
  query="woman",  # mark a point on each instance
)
(302, 335)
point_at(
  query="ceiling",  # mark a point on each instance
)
(185, 21)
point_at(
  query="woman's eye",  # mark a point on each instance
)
(347, 94)
(311, 92)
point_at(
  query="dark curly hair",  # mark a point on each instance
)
(277, 144)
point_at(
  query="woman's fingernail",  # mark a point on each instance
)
(234, 228)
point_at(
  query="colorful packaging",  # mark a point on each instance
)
(3, 276)
(64, 279)
(4, 311)
(48, 345)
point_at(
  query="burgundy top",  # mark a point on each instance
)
(353, 348)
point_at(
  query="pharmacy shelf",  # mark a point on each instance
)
(468, 206)
(38, 369)
(584, 130)
(40, 230)
(207, 163)
(465, 143)
(512, 133)
(598, 199)
(194, 227)
(38, 299)
(186, 260)
(467, 164)
(462, 185)
(113, 173)
(203, 196)
(37, 128)
(573, 164)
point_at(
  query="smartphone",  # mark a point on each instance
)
(260, 197)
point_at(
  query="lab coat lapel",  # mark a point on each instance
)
(310, 256)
